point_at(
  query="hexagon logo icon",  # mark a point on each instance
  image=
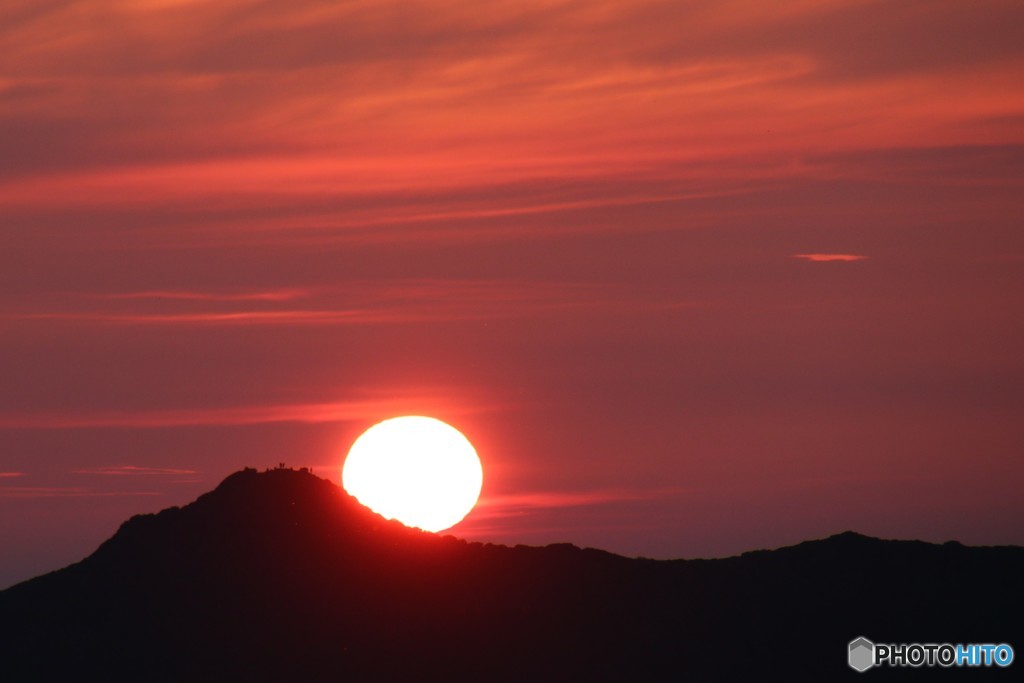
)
(862, 654)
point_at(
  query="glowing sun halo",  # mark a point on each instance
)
(418, 470)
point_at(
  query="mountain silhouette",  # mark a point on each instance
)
(281, 576)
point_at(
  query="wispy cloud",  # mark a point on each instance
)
(533, 517)
(293, 317)
(133, 470)
(66, 492)
(825, 258)
(275, 295)
(308, 413)
(515, 504)
(389, 302)
(9, 475)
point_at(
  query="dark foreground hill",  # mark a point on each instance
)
(281, 576)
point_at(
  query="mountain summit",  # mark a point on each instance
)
(281, 576)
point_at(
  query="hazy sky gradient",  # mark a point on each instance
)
(694, 277)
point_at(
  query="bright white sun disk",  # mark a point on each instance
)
(418, 470)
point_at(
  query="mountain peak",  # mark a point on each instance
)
(252, 514)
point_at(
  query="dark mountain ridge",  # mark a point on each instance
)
(281, 576)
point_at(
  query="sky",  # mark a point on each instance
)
(694, 277)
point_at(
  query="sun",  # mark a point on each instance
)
(417, 470)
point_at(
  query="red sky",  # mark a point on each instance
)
(695, 277)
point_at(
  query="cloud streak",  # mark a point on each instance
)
(279, 295)
(304, 413)
(29, 492)
(289, 318)
(394, 302)
(529, 517)
(134, 471)
(827, 258)
(506, 505)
